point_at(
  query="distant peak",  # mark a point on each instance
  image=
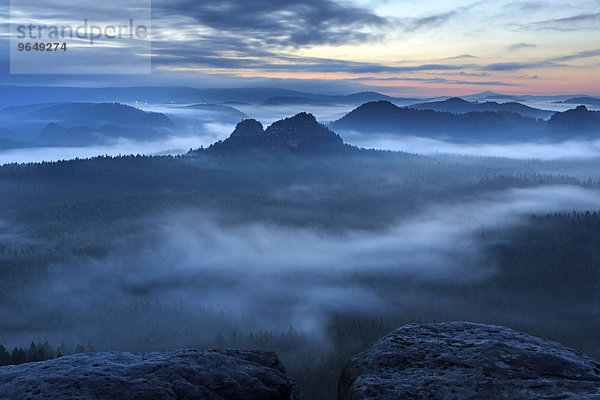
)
(456, 100)
(302, 119)
(248, 128)
(303, 116)
(488, 93)
(581, 108)
(380, 104)
(367, 92)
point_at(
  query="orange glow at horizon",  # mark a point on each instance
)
(549, 81)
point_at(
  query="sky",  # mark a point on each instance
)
(398, 47)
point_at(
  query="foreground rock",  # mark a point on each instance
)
(462, 360)
(180, 374)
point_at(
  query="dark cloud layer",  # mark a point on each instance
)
(280, 23)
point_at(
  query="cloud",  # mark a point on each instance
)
(258, 35)
(528, 6)
(519, 46)
(574, 150)
(186, 55)
(462, 56)
(582, 54)
(586, 21)
(440, 80)
(278, 274)
(279, 23)
(515, 66)
(431, 21)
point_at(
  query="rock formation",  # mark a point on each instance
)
(300, 133)
(180, 374)
(463, 360)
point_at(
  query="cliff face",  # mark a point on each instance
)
(462, 360)
(180, 374)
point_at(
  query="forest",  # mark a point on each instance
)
(312, 256)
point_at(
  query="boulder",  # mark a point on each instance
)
(179, 374)
(461, 360)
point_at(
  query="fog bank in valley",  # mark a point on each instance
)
(192, 265)
(565, 150)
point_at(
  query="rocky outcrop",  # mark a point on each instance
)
(300, 133)
(180, 374)
(463, 360)
(249, 132)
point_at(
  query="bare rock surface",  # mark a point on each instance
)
(179, 374)
(462, 360)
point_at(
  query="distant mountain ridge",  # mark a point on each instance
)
(80, 123)
(303, 134)
(460, 106)
(25, 95)
(323, 100)
(489, 95)
(385, 117)
(109, 113)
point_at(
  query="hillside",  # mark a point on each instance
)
(385, 117)
(579, 120)
(67, 124)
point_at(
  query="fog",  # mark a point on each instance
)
(566, 150)
(195, 128)
(167, 146)
(212, 132)
(192, 266)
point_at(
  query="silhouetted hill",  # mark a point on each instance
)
(579, 121)
(589, 101)
(363, 97)
(23, 95)
(300, 133)
(323, 100)
(385, 117)
(488, 95)
(459, 106)
(106, 113)
(68, 124)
